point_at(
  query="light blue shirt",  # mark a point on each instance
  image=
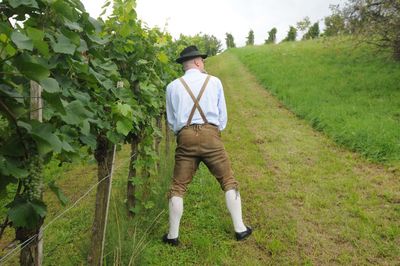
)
(180, 104)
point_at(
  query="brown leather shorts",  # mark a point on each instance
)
(195, 144)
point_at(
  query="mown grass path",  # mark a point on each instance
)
(309, 201)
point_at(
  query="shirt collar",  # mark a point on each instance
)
(192, 71)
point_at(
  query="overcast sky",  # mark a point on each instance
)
(216, 17)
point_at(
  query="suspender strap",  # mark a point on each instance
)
(196, 101)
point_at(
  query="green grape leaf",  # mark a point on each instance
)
(11, 51)
(104, 81)
(125, 30)
(76, 113)
(83, 46)
(124, 126)
(162, 57)
(98, 40)
(67, 147)
(72, 36)
(65, 10)
(3, 38)
(17, 3)
(22, 41)
(42, 47)
(27, 126)
(64, 45)
(54, 100)
(24, 213)
(113, 137)
(45, 138)
(73, 25)
(98, 25)
(4, 182)
(58, 192)
(37, 37)
(10, 168)
(40, 207)
(85, 129)
(89, 140)
(50, 85)
(5, 29)
(124, 109)
(30, 69)
(35, 34)
(13, 147)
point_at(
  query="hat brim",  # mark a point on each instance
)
(182, 59)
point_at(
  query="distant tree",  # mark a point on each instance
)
(185, 40)
(313, 32)
(205, 43)
(292, 34)
(271, 36)
(377, 20)
(250, 38)
(211, 45)
(303, 25)
(230, 42)
(335, 23)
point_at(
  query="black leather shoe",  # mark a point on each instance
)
(243, 235)
(172, 242)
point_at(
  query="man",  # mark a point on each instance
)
(196, 112)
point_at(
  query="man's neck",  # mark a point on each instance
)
(193, 68)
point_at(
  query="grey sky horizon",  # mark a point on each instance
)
(233, 16)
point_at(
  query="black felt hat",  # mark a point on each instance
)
(188, 53)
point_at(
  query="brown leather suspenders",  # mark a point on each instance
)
(196, 101)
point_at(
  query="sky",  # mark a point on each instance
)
(217, 17)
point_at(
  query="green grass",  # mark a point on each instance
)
(310, 201)
(350, 92)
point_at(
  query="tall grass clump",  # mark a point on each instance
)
(349, 91)
(127, 238)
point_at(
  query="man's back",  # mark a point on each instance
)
(212, 102)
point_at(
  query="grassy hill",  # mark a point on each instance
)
(349, 91)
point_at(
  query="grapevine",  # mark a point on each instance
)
(78, 61)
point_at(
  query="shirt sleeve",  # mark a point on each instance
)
(223, 115)
(170, 111)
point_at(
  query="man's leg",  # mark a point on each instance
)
(184, 170)
(175, 214)
(234, 204)
(217, 161)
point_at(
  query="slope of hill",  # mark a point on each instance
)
(349, 91)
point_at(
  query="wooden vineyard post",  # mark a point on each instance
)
(32, 253)
(158, 141)
(131, 187)
(36, 102)
(105, 156)
(167, 136)
(37, 114)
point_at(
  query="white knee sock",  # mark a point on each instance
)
(175, 214)
(234, 204)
